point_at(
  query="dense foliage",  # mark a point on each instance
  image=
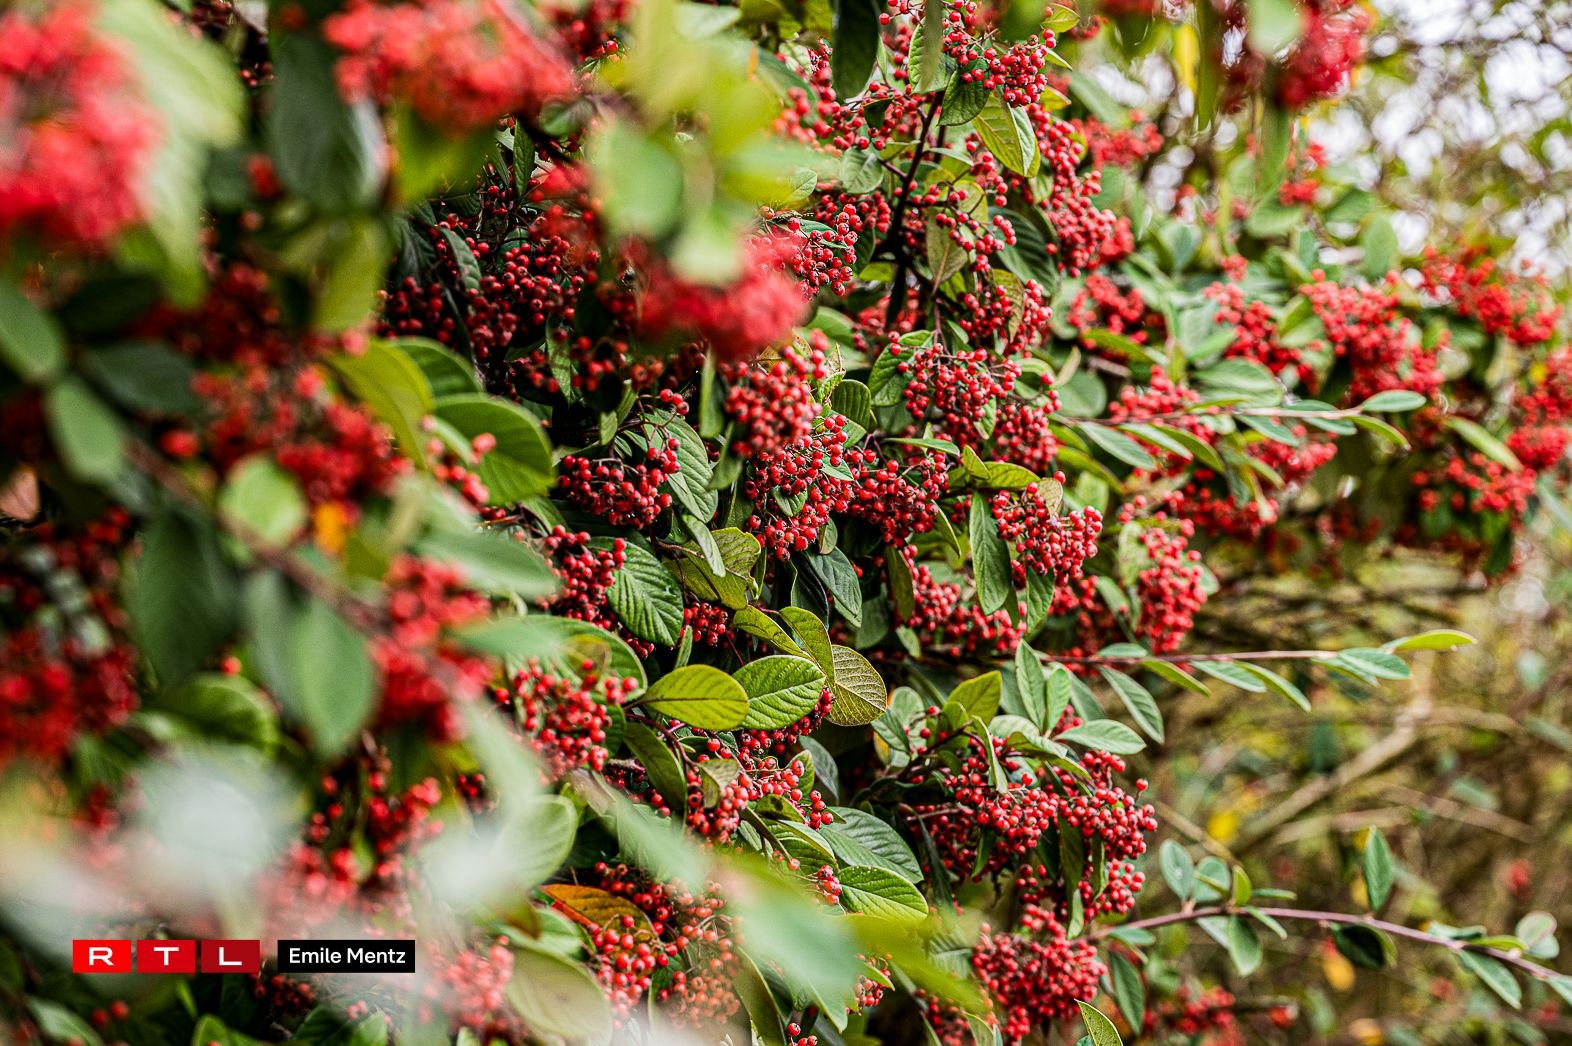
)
(696, 513)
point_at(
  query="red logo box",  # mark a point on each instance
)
(100, 956)
(166, 957)
(231, 956)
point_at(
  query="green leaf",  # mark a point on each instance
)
(858, 837)
(183, 597)
(980, 696)
(1008, 134)
(385, 379)
(1032, 685)
(1278, 684)
(859, 692)
(61, 1025)
(1129, 991)
(1376, 861)
(447, 373)
(210, 1031)
(223, 708)
(963, 100)
(1061, 686)
(856, 45)
(1178, 869)
(1274, 24)
(878, 891)
(946, 257)
(30, 340)
(1379, 241)
(701, 696)
(1380, 428)
(1175, 675)
(1098, 1027)
(660, 764)
(333, 690)
(563, 642)
(781, 690)
(1138, 700)
(352, 277)
(492, 561)
(87, 433)
(327, 150)
(1277, 132)
(990, 559)
(860, 171)
(815, 638)
(639, 179)
(1365, 947)
(691, 483)
(1435, 639)
(756, 622)
(557, 997)
(1372, 663)
(739, 551)
(263, 500)
(1393, 401)
(144, 377)
(646, 597)
(1229, 672)
(841, 581)
(1484, 442)
(520, 465)
(1104, 735)
(1119, 446)
(1494, 975)
(1244, 947)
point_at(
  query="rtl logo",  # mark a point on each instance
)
(166, 956)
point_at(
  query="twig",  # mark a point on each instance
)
(1511, 958)
(364, 615)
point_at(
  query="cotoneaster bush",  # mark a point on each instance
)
(695, 513)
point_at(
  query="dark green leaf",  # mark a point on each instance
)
(1138, 700)
(856, 45)
(183, 597)
(990, 559)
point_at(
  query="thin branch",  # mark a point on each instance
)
(1511, 958)
(368, 617)
(1180, 659)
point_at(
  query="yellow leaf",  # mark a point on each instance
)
(1223, 826)
(1187, 55)
(330, 527)
(1366, 1032)
(1338, 970)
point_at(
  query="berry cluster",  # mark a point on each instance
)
(567, 717)
(78, 138)
(621, 494)
(1046, 543)
(458, 63)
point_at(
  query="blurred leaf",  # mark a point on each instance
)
(261, 499)
(30, 340)
(183, 597)
(87, 434)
